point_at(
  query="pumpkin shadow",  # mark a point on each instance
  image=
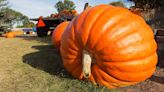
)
(47, 59)
(157, 79)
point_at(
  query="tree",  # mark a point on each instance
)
(3, 23)
(10, 17)
(15, 18)
(148, 4)
(66, 5)
(3, 4)
(28, 25)
(118, 3)
(153, 8)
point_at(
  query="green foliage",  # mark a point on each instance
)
(66, 5)
(10, 17)
(27, 25)
(13, 17)
(3, 24)
(156, 19)
(118, 3)
(3, 4)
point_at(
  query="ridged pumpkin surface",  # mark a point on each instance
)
(121, 43)
(57, 33)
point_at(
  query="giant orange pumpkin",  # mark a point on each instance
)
(57, 33)
(117, 45)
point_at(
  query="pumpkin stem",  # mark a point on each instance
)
(86, 62)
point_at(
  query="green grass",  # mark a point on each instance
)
(31, 64)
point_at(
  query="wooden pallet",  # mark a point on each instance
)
(159, 37)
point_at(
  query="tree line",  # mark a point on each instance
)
(10, 17)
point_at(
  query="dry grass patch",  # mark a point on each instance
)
(31, 64)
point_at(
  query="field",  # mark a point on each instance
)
(31, 64)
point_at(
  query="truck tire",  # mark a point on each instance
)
(42, 31)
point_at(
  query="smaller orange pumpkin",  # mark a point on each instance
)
(74, 12)
(10, 35)
(57, 33)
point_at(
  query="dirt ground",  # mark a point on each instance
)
(27, 65)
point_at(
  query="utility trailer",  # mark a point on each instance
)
(49, 24)
(159, 37)
(55, 19)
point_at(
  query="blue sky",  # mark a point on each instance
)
(36, 8)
